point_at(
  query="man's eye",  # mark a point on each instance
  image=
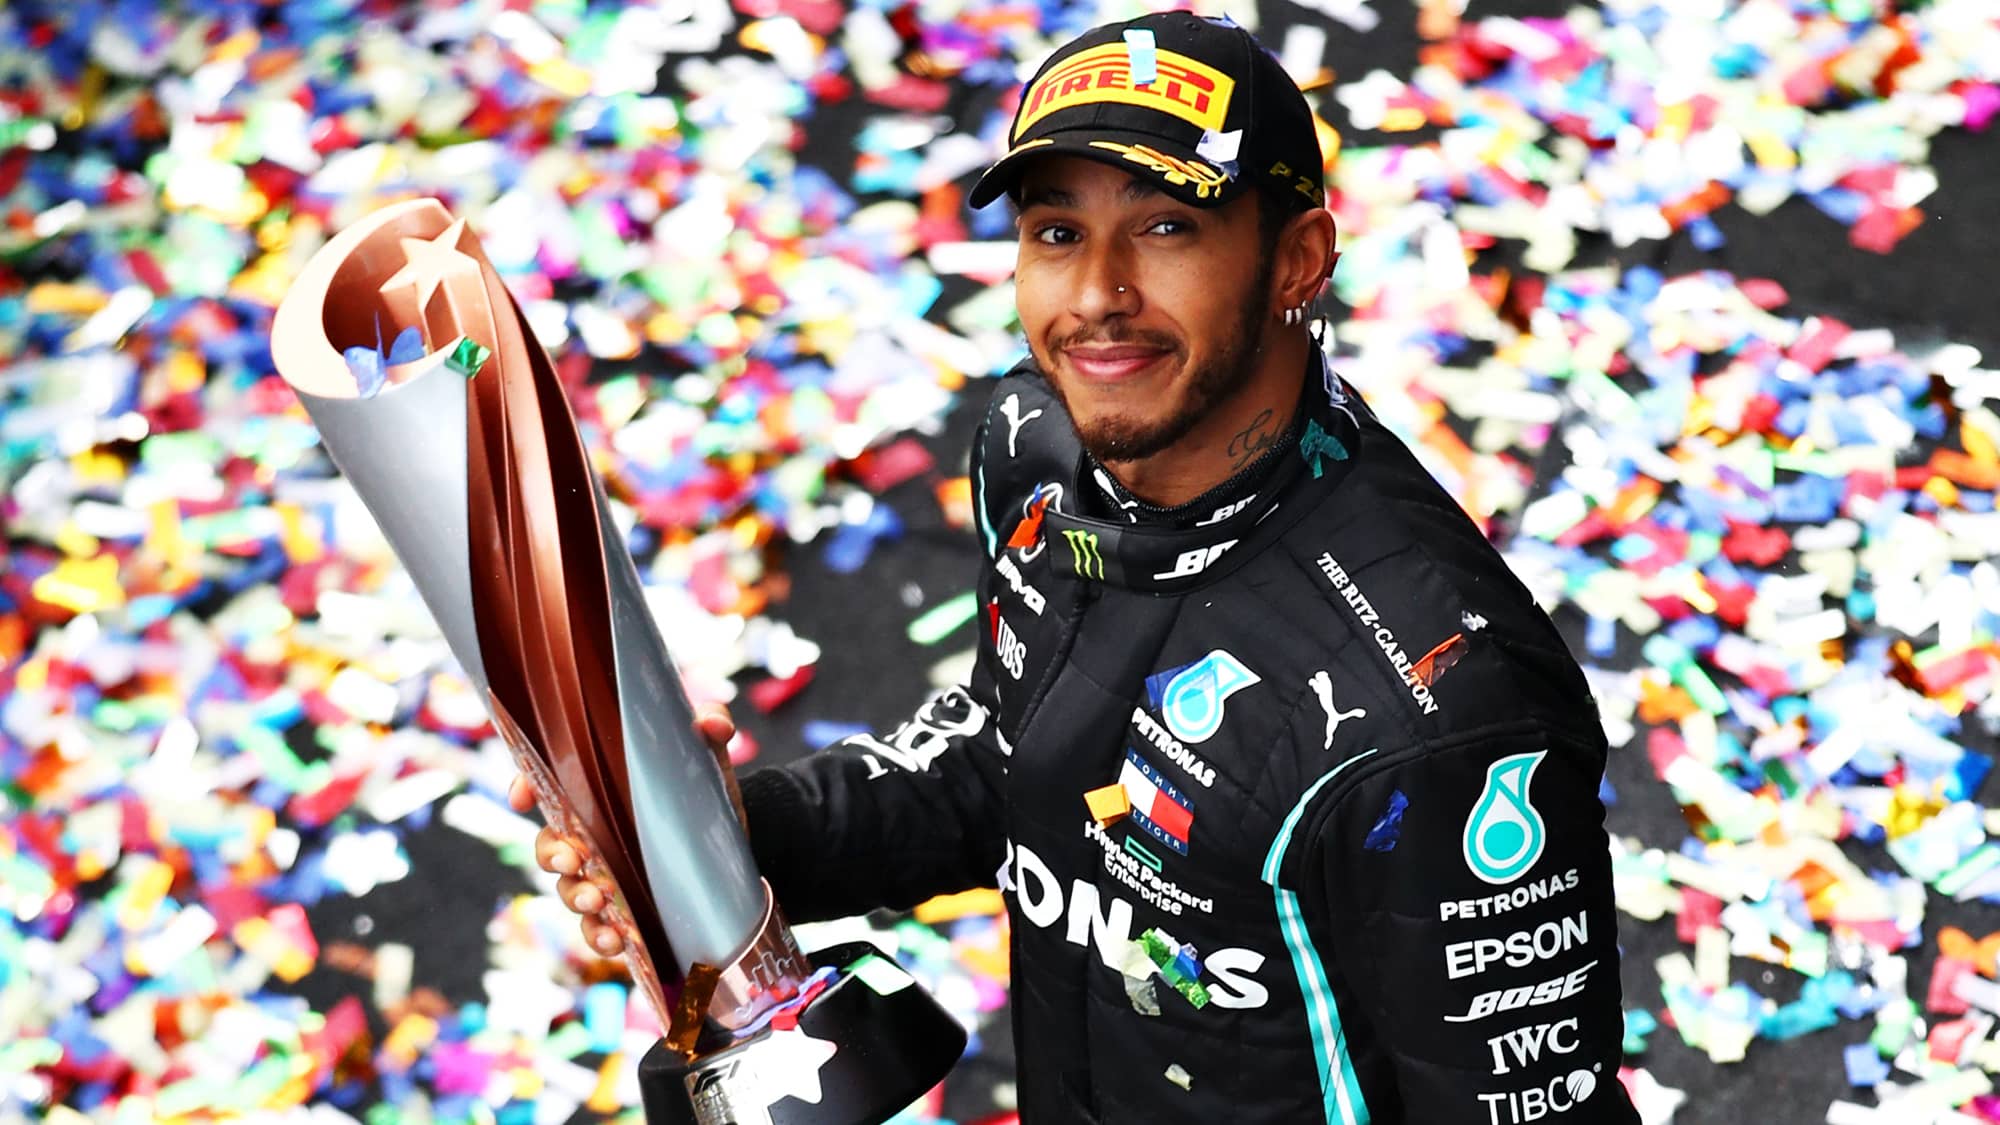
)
(1170, 226)
(1053, 235)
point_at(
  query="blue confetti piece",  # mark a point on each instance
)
(365, 364)
(1388, 830)
(822, 733)
(1140, 47)
(604, 1015)
(408, 348)
(1864, 1066)
(1600, 637)
(849, 546)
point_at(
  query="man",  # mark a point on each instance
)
(1291, 787)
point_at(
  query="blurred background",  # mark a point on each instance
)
(1686, 302)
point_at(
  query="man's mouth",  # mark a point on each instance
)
(1112, 362)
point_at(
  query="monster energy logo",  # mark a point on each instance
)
(1083, 548)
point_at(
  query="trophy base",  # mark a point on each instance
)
(868, 1046)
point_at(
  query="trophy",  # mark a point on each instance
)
(435, 400)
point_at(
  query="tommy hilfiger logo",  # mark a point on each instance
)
(1159, 808)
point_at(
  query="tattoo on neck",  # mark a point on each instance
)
(1251, 440)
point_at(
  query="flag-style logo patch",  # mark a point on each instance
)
(1159, 808)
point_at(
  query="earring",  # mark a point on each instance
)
(1295, 316)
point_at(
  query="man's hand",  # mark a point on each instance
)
(564, 856)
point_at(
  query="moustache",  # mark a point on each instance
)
(1145, 339)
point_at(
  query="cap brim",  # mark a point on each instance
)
(1177, 172)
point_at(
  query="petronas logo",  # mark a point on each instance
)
(1503, 836)
(1083, 549)
(1193, 701)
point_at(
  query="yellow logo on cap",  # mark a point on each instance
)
(1192, 91)
(1207, 180)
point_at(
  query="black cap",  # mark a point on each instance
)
(1215, 116)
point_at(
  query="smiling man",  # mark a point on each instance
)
(1292, 789)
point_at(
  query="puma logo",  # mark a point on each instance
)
(1322, 685)
(1011, 407)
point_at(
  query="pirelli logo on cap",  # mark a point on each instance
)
(1192, 91)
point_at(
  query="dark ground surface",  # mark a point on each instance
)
(1940, 284)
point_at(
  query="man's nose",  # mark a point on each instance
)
(1107, 287)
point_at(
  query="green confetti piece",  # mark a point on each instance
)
(1815, 464)
(218, 529)
(621, 396)
(882, 976)
(1810, 953)
(1604, 395)
(1193, 991)
(468, 357)
(587, 43)
(1892, 1027)
(571, 1041)
(190, 1094)
(1968, 869)
(25, 1055)
(602, 251)
(1779, 774)
(281, 766)
(1700, 688)
(26, 883)
(1687, 1018)
(179, 450)
(264, 1080)
(938, 622)
(1762, 469)
(1703, 546)
(921, 942)
(15, 133)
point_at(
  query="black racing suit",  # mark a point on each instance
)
(1296, 809)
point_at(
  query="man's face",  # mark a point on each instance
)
(1143, 311)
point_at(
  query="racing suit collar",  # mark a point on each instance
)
(1163, 558)
(1112, 501)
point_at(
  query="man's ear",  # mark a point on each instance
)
(1306, 257)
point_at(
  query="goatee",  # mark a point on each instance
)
(1126, 438)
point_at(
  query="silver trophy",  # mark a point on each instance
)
(435, 400)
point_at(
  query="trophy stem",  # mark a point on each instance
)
(768, 971)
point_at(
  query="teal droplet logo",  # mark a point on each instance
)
(1193, 701)
(1503, 836)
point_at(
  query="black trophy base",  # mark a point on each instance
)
(887, 1049)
